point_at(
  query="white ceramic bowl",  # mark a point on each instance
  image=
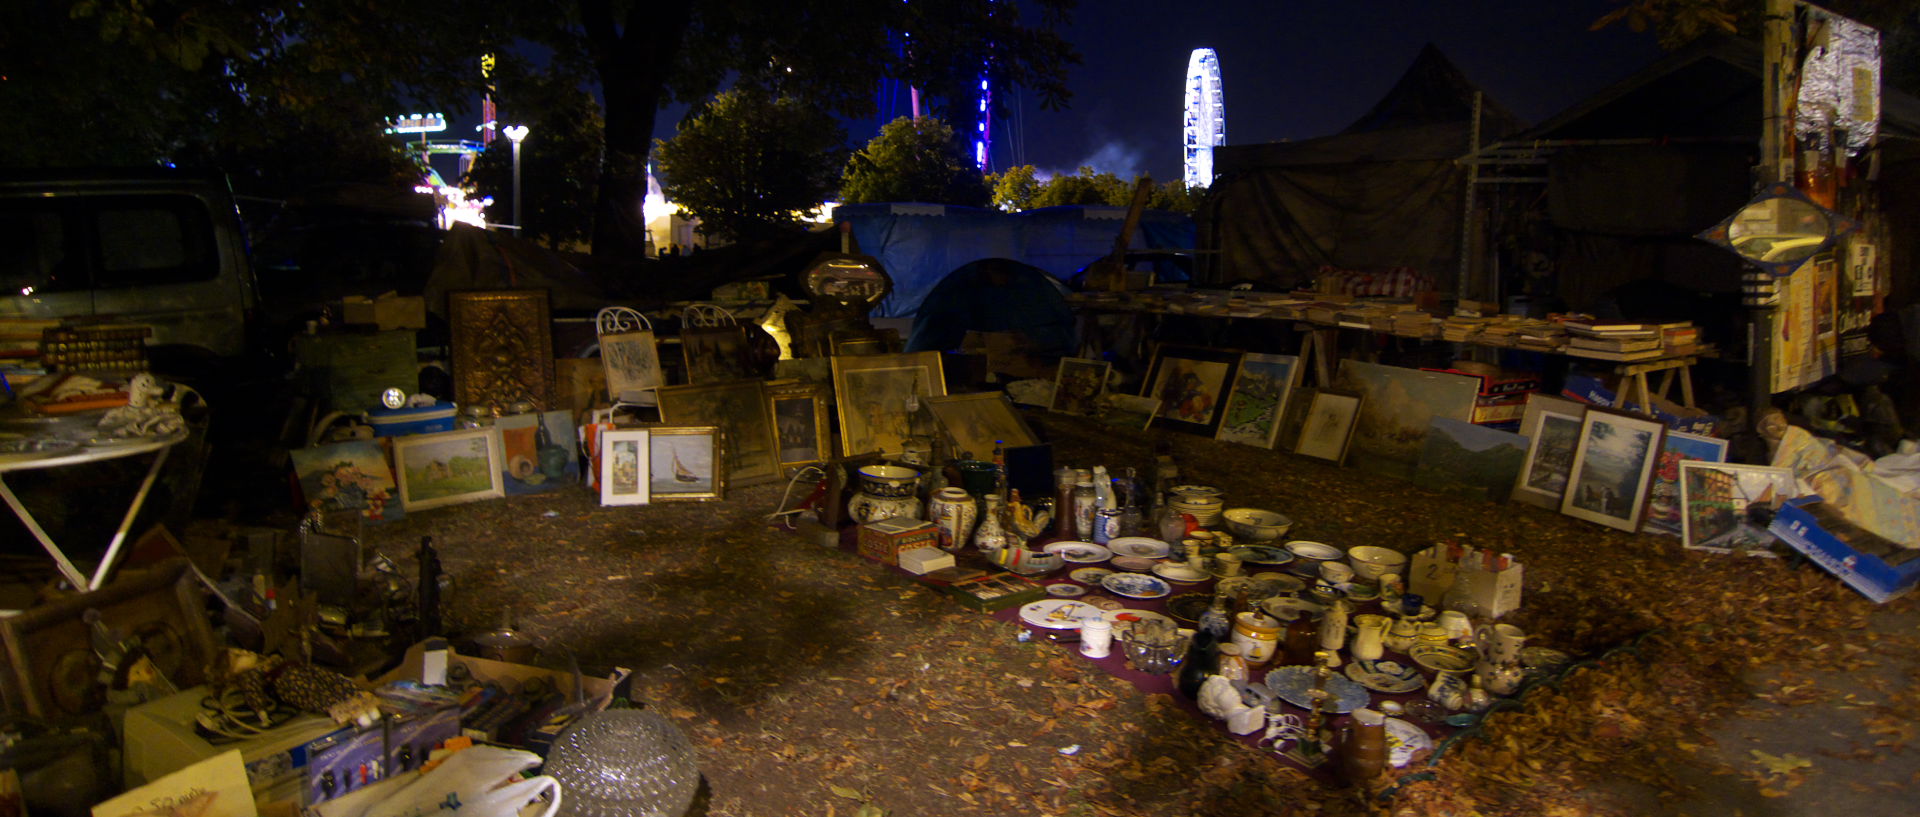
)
(1256, 525)
(1370, 562)
(1312, 551)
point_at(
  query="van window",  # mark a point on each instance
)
(150, 240)
(66, 244)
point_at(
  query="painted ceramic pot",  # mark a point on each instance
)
(866, 508)
(888, 481)
(952, 511)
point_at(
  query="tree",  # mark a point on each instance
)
(751, 162)
(1176, 196)
(559, 162)
(913, 160)
(1086, 187)
(1015, 189)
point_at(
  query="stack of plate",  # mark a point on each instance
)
(1204, 509)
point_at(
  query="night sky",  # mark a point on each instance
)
(1294, 70)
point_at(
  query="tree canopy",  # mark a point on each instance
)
(913, 160)
(751, 162)
(1021, 188)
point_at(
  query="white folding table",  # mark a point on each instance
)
(158, 446)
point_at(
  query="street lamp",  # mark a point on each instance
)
(515, 133)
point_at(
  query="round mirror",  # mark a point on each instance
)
(1779, 231)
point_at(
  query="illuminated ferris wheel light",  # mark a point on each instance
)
(1203, 124)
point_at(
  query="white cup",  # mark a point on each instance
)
(1459, 627)
(1096, 637)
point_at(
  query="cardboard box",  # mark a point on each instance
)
(511, 677)
(1433, 574)
(1877, 567)
(388, 311)
(885, 540)
(922, 561)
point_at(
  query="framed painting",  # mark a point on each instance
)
(448, 468)
(1078, 384)
(1397, 410)
(974, 423)
(538, 450)
(632, 362)
(1126, 410)
(739, 409)
(1191, 382)
(1258, 399)
(348, 476)
(1663, 500)
(715, 354)
(1612, 468)
(874, 393)
(686, 463)
(1328, 428)
(800, 430)
(1729, 508)
(1470, 459)
(1552, 428)
(502, 346)
(625, 469)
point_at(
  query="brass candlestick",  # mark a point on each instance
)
(1311, 749)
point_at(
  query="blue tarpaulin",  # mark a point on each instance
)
(918, 244)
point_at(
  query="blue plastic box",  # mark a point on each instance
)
(401, 422)
(1873, 576)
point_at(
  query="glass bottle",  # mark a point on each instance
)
(1063, 483)
(1215, 621)
(1200, 662)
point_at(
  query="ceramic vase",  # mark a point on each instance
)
(991, 534)
(1369, 639)
(952, 511)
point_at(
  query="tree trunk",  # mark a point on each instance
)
(633, 58)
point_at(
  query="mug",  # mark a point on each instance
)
(1501, 643)
(1227, 564)
(1459, 627)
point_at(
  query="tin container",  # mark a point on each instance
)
(1106, 525)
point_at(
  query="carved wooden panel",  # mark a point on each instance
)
(502, 348)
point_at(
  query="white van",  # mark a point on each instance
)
(159, 248)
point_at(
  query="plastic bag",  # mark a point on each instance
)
(472, 783)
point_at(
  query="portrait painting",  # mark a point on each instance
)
(1078, 384)
(632, 362)
(1552, 428)
(1612, 468)
(347, 476)
(448, 468)
(1328, 427)
(1191, 383)
(739, 409)
(877, 395)
(685, 463)
(1258, 399)
(799, 411)
(624, 464)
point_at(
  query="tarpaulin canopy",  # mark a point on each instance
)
(919, 244)
(995, 295)
(1386, 192)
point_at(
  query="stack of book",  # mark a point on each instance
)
(1615, 341)
(1461, 328)
(1680, 339)
(1542, 336)
(1415, 324)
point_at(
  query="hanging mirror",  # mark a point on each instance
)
(1779, 229)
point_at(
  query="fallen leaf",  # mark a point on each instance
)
(850, 794)
(1781, 764)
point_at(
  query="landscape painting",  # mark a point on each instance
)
(1469, 459)
(1258, 399)
(1552, 429)
(448, 468)
(1730, 508)
(1397, 407)
(1612, 468)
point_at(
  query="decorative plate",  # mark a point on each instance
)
(1261, 555)
(1064, 590)
(1268, 585)
(1439, 658)
(1187, 608)
(1089, 575)
(1176, 572)
(1231, 585)
(1083, 553)
(1139, 546)
(1544, 659)
(1294, 685)
(1404, 740)
(1137, 564)
(1321, 551)
(1194, 490)
(1286, 608)
(1136, 585)
(1391, 677)
(1057, 614)
(33, 449)
(1124, 618)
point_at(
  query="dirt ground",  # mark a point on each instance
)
(814, 682)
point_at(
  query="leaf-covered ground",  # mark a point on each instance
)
(816, 683)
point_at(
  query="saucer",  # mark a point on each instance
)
(1089, 575)
(1065, 590)
(1139, 546)
(1084, 553)
(1135, 586)
(1176, 572)
(1391, 677)
(1137, 564)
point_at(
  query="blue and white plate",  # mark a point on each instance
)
(1136, 585)
(1391, 677)
(1295, 686)
(1262, 555)
(1142, 546)
(1084, 553)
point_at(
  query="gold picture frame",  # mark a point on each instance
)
(972, 423)
(801, 432)
(873, 392)
(502, 346)
(740, 410)
(686, 463)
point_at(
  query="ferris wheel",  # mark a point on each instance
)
(1204, 123)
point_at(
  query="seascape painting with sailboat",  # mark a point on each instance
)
(682, 464)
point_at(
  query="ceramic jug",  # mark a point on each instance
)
(1499, 679)
(1369, 640)
(953, 512)
(1363, 754)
